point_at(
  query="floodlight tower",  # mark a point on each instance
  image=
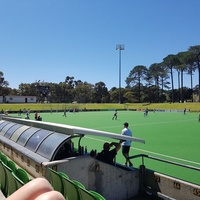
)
(119, 47)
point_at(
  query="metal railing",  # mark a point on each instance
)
(143, 156)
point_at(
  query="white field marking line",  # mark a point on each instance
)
(165, 122)
(175, 158)
(143, 124)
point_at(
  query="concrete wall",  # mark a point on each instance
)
(114, 183)
(160, 184)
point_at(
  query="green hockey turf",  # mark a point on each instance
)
(171, 136)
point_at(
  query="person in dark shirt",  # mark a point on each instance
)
(39, 118)
(115, 115)
(36, 115)
(27, 116)
(107, 155)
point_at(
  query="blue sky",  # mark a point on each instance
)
(48, 40)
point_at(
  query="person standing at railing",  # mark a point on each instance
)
(126, 144)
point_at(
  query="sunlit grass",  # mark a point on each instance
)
(168, 135)
(61, 106)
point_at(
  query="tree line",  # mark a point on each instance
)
(153, 84)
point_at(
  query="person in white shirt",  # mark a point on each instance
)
(126, 144)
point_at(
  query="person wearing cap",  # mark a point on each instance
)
(107, 155)
(126, 144)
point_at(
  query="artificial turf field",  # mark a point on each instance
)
(168, 135)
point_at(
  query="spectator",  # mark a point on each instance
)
(107, 155)
(126, 144)
(39, 118)
(27, 116)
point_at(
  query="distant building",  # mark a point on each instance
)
(18, 99)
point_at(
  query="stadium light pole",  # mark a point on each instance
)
(119, 47)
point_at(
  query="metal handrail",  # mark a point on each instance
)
(163, 160)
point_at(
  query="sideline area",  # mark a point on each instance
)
(167, 134)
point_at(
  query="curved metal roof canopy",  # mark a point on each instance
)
(43, 142)
(46, 139)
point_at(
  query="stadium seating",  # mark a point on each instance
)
(85, 194)
(11, 185)
(18, 181)
(77, 183)
(2, 178)
(3, 173)
(63, 174)
(97, 195)
(22, 175)
(70, 189)
(55, 180)
(12, 165)
(11, 177)
(4, 158)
